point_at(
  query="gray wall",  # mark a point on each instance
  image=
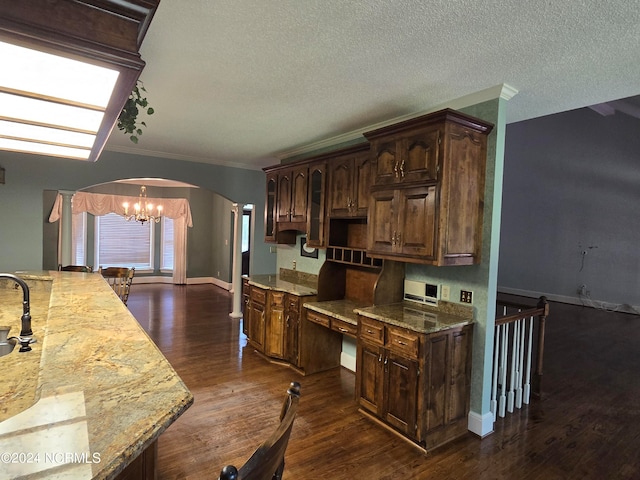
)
(572, 184)
(22, 226)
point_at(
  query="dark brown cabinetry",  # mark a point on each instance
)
(416, 383)
(402, 222)
(444, 154)
(257, 317)
(316, 213)
(349, 182)
(292, 195)
(270, 208)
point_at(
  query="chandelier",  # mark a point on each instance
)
(143, 210)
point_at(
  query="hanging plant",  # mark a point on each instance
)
(128, 118)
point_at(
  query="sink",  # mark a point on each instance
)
(7, 347)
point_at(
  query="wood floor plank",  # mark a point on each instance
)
(586, 426)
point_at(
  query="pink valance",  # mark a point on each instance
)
(101, 204)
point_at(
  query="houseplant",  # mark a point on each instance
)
(128, 118)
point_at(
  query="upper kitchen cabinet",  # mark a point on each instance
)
(286, 202)
(428, 195)
(349, 182)
(292, 195)
(406, 157)
(316, 221)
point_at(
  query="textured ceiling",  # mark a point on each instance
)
(246, 82)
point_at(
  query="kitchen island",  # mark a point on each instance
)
(95, 393)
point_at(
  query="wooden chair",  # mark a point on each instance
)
(75, 268)
(120, 279)
(267, 462)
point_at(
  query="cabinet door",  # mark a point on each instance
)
(362, 182)
(275, 327)
(291, 331)
(340, 186)
(284, 196)
(436, 367)
(370, 377)
(316, 206)
(401, 394)
(459, 371)
(256, 325)
(420, 157)
(417, 222)
(382, 225)
(270, 208)
(387, 157)
(299, 181)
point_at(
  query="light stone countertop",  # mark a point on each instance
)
(419, 318)
(103, 393)
(275, 282)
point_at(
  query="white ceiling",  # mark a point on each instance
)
(247, 82)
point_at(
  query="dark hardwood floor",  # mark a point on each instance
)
(586, 427)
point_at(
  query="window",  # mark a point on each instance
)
(122, 243)
(78, 235)
(166, 259)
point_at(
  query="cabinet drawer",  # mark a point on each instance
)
(404, 342)
(344, 327)
(258, 295)
(277, 299)
(318, 318)
(371, 330)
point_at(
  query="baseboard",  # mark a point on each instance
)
(216, 281)
(481, 425)
(151, 279)
(348, 362)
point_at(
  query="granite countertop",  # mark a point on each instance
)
(102, 392)
(341, 309)
(420, 318)
(276, 282)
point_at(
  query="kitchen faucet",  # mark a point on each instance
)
(25, 332)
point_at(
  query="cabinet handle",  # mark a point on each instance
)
(395, 169)
(398, 238)
(370, 332)
(402, 169)
(287, 320)
(402, 343)
(393, 238)
(343, 330)
(379, 357)
(386, 360)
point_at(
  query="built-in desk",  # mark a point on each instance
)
(103, 392)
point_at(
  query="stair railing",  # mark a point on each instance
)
(513, 358)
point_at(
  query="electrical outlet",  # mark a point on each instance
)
(445, 292)
(466, 296)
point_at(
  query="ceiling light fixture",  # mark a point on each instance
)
(143, 210)
(63, 87)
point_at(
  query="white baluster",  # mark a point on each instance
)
(521, 327)
(512, 370)
(503, 370)
(494, 386)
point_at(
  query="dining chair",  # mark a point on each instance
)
(120, 279)
(267, 462)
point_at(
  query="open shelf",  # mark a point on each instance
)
(352, 256)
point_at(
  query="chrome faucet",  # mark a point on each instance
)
(26, 334)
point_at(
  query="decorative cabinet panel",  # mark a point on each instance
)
(270, 208)
(246, 300)
(292, 330)
(316, 213)
(349, 182)
(416, 383)
(445, 154)
(292, 195)
(275, 326)
(402, 223)
(411, 157)
(257, 317)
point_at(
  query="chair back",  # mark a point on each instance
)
(120, 279)
(75, 268)
(267, 462)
